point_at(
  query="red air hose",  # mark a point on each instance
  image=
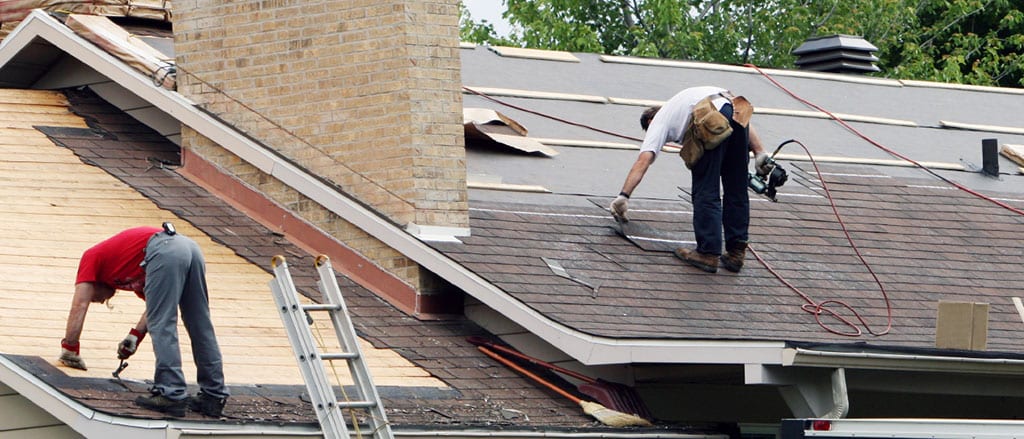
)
(816, 308)
(883, 147)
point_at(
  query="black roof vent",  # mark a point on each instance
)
(837, 54)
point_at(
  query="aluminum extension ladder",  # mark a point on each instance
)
(327, 406)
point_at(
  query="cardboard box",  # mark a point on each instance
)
(962, 325)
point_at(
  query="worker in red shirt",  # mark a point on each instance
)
(168, 271)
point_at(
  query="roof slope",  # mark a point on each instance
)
(926, 240)
(61, 205)
(631, 302)
(926, 243)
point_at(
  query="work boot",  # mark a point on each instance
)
(162, 404)
(704, 261)
(207, 405)
(732, 260)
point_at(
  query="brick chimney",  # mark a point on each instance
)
(364, 93)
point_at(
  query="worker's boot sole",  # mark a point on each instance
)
(706, 262)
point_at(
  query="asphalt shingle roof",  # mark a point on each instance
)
(925, 241)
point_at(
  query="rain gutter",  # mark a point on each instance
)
(907, 362)
(477, 434)
(586, 348)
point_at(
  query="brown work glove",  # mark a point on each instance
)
(619, 207)
(69, 355)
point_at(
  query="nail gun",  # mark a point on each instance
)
(766, 184)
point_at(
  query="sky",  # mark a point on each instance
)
(489, 10)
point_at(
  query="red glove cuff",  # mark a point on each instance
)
(138, 334)
(69, 346)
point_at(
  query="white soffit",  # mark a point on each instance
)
(548, 55)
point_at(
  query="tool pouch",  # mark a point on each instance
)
(742, 109)
(707, 129)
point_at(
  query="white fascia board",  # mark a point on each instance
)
(907, 362)
(85, 421)
(586, 348)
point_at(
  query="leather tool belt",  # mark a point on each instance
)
(707, 127)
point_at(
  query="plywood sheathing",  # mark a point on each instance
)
(480, 392)
(56, 207)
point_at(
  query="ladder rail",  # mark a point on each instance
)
(294, 316)
(313, 372)
(346, 333)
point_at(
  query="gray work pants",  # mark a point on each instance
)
(176, 278)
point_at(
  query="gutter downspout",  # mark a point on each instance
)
(840, 397)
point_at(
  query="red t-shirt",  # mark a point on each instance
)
(115, 261)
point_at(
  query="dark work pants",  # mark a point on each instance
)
(176, 278)
(713, 214)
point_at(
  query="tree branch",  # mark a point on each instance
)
(928, 42)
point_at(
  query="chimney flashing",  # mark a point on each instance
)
(428, 233)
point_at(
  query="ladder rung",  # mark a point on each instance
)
(321, 307)
(340, 356)
(356, 404)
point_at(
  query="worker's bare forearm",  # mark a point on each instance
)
(754, 141)
(142, 325)
(637, 172)
(76, 316)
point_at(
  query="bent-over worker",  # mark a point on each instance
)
(712, 125)
(168, 271)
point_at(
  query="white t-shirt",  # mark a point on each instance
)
(668, 124)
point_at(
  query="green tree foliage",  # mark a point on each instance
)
(961, 41)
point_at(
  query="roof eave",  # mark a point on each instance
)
(89, 422)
